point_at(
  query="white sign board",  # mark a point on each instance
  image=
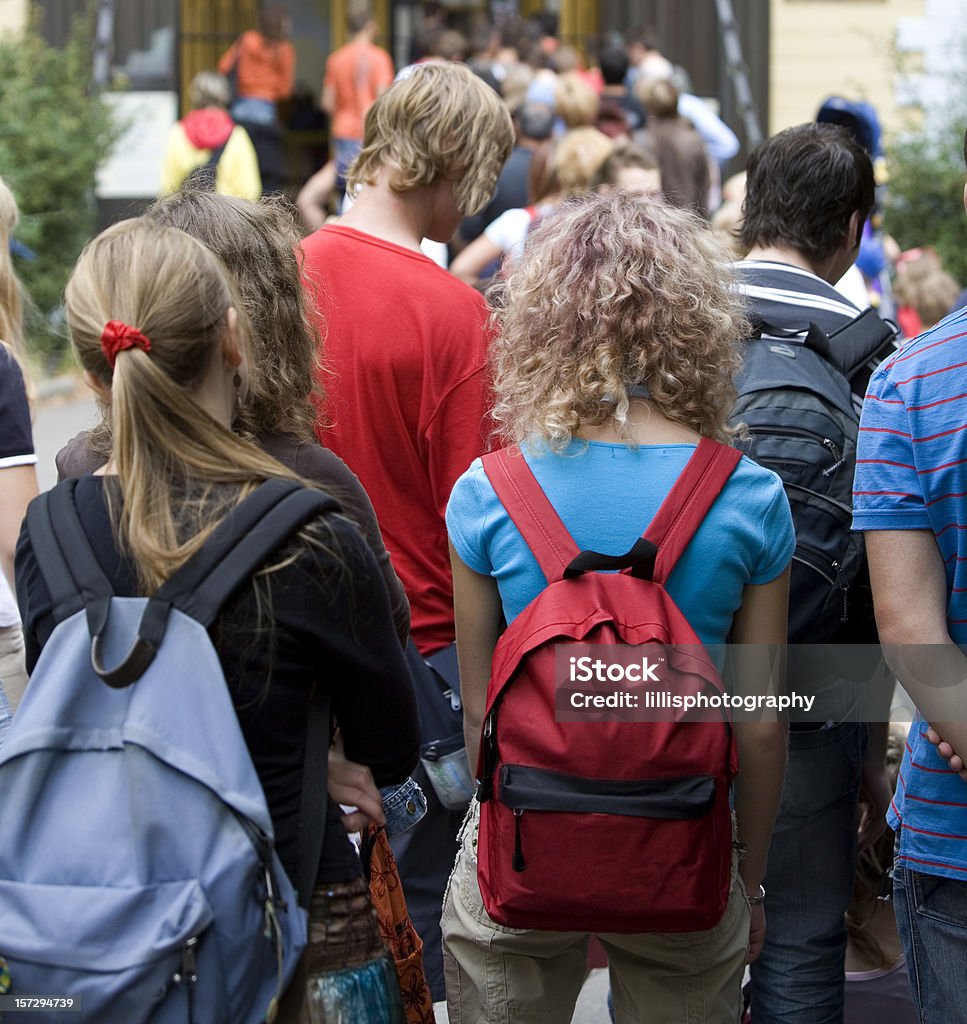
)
(133, 170)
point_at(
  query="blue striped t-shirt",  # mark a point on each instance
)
(911, 474)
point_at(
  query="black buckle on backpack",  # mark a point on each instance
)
(640, 560)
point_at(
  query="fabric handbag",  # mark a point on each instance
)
(346, 974)
(405, 945)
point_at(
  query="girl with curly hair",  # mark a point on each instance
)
(618, 337)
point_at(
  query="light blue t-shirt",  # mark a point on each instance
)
(606, 495)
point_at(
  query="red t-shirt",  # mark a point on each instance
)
(408, 398)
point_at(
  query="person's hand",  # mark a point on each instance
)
(757, 932)
(352, 784)
(947, 752)
(877, 794)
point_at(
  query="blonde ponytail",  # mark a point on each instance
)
(179, 470)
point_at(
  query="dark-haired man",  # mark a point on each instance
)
(909, 501)
(808, 193)
(614, 65)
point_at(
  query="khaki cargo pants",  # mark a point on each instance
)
(501, 975)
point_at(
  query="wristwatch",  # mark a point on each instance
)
(758, 898)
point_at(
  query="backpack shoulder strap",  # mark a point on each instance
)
(530, 511)
(241, 544)
(217, 153)
(687, 503)
(67, 562)
(866, 337)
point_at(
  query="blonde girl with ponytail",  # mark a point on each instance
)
(18, 475)
(159, 329)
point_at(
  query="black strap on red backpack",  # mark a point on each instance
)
(653, 556)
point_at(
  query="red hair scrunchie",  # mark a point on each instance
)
(117, 336)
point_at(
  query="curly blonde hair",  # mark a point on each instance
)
(438, 121)
(613, 292)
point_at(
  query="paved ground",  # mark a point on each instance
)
(58, 418)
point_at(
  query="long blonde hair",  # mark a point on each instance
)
(179, 470)
(11, 290)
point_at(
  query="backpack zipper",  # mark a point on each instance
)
(837, 455)
(815, 561)
(828, 443)
(518, 862)
(273, 932)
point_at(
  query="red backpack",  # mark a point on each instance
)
(603, 825)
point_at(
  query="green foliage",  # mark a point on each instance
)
(53, 135)
(925, 197)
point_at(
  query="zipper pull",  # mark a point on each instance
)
(518, 862)
(273, 932)
(189, 966)
(485, 789)
(827, 443)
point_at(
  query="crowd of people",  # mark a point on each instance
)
(537, 336)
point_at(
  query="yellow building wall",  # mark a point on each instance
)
(821, 48)
(13, 15)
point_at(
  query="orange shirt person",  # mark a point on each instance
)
(357, 74)
(263, 61)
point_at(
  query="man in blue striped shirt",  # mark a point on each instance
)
(910, 491)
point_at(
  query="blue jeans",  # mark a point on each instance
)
(931, 915)
(249, 110)
(345, 152)
(403, 805)
(799, 976)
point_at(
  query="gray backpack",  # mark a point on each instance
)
(795, 396)
(138, 875)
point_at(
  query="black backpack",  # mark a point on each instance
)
(796, 398)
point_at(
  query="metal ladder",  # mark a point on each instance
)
(738, 72)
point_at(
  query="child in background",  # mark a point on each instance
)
(877, 986)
